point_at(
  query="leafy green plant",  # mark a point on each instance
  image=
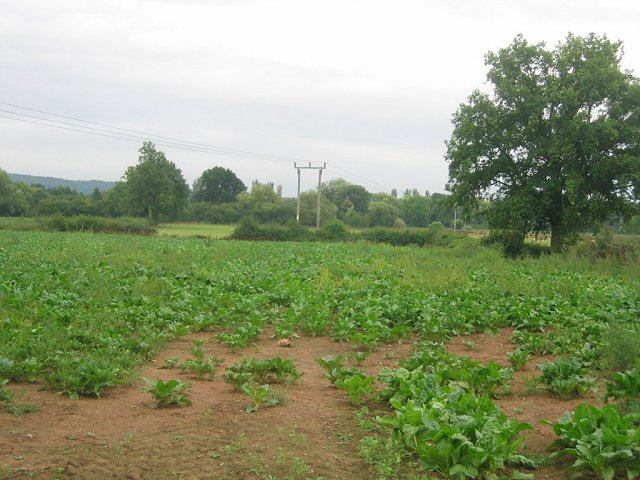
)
(170, 363)
(343, 373)
(237, 378)
(518, 358)
(269, 370)
(6, 395)
(624, 386)
(261, 395)
(358, 388)
(169, 393)
(20, 408)
(82, 376)
(201, 365)
(565, 378)
(458, 435)
(330, 362)
(359, 357)
(598, 441)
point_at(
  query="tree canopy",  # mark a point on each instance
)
(217, 185)
(556, 143)
(155, 186)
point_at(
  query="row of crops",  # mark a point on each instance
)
(83, 312)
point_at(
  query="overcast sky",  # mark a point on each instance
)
(367, 86)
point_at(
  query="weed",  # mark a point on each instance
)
(385, 457)
(622, 346)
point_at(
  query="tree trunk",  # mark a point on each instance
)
(558, 237)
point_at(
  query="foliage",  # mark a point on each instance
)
(13, 201)
(201, 365)
(606, 245)
(432, 235)
(308, 209)
(8, 403)
(155, 187)
(6, 395)
(382, 214)
(358, 388)
(217, 185)
(565, 378)
(457, 435)
(384, 456)
(269, 370)
(77, 376)
(556, 145)
(624, 386)
(598, 441)
(348, 198)
(335, 230)
(415, 210)
(518, 358)
(86, 223)
(622, 344)
(261, 395)
(169, 393)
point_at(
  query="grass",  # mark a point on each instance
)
(199, 230)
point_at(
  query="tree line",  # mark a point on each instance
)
(155, 188)
(552, 148)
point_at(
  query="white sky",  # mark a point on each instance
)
(368, 86)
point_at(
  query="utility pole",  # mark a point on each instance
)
(455, 217)
(310, 167)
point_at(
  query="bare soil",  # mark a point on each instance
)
(314, 434)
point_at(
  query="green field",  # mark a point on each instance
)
(85, 311)
(201, 230)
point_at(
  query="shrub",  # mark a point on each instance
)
(335, 230)
(605, 245)
(87, 223)
(511, 241)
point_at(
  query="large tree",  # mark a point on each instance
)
(217, 185)
(556, 143)
(155, 186)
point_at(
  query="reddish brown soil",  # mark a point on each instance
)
(123, 435)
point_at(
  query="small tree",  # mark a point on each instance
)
(155, 186)
(556, 145)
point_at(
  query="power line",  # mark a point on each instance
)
(176, 142)
(362, 179)
(132, 138)
(120, 133)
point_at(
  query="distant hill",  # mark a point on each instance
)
(84, 186)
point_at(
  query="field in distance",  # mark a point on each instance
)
(195, 230)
